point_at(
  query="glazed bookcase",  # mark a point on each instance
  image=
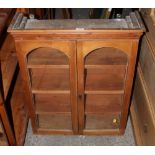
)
(78, 74)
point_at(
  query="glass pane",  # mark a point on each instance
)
(52, 103)
(100, 122)
(55, 122)
(105, 69)
(106, 56)
(49, 79)
(46, 56)
(50, 82)
(104, 77)
(102, 103)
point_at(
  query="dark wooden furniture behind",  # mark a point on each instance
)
(78, 73)
(143, 107)
(6, 132)
(13, 115)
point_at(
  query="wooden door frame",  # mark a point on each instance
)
(69, 49)
(128, 46)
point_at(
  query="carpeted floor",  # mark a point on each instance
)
(126, 139)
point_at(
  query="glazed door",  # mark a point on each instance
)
(102, 67)
(50, 68)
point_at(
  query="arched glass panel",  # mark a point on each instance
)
(50, 83)
(104, 76)
(47, 56)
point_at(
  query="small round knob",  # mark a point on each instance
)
(114, 121)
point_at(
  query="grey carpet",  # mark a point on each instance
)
(58, 140)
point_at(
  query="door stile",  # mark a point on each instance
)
(81, 96)
(73, 88)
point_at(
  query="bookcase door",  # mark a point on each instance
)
(50, 67)
(102, 69)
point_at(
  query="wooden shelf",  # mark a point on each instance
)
(55, 122)
(44, 131)
(56, 104)
(50, 91)
(99, 113)
(104, 92)
(48, 66)
(100, 122)
(52, 113)
(103, 66)
(106, 78)
(100, 104)
(50, 79)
